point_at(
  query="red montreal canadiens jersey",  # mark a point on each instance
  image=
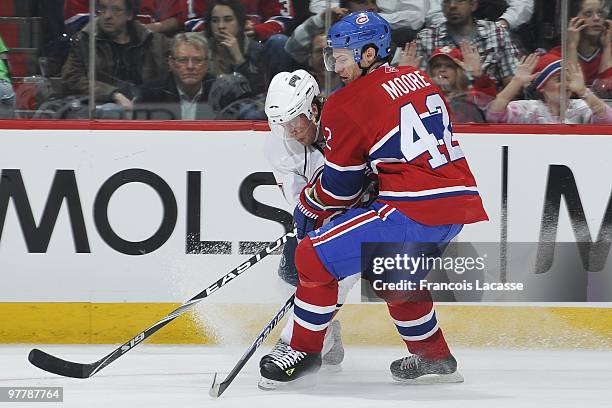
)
(268, 16)
(160, 10)
(590, 65)
(396, 122)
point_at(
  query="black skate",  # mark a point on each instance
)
(289, 367)
(279, 350)
(334, 356)
(417, 370)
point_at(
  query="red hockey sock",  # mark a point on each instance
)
(315, 300)
(417, 325)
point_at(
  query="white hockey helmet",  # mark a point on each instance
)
(289, 95)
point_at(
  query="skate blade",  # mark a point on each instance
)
(308, 381)
(455, 377)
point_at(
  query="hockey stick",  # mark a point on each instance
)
(218, 388)
(67, 368)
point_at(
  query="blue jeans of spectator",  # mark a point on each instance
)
(7, 100)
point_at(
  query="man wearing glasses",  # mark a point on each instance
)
(127, 55)
(183, 94)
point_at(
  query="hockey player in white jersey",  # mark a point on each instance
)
(295, 151)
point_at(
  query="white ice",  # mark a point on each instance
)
(180, 376)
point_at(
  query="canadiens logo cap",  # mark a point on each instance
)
(453, 53)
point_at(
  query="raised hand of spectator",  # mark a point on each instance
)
(524, 69)
(230, 42)
(606, 35)
(336, 13)
(125, 103)
(471, 59)
(408, 56)
(575, 79)
(575, 27)
(249, 29)
(522, 77)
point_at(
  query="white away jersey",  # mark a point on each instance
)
(294, 165)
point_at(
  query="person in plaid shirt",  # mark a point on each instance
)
(498, 55)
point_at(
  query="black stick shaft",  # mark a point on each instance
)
(218, 388)
(66, 368)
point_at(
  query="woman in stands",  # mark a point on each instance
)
(543, 73)
(230, 48)
(457, 72)
(589, 42)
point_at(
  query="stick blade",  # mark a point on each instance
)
(217, 388)
(55, 365)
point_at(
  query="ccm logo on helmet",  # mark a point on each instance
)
(362, 19)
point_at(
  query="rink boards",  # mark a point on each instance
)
(105, 228)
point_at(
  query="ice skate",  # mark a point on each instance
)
(334, 353)
(417, 370)
(279, 350)
(288, 367)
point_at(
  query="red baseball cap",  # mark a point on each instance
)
(453, 53)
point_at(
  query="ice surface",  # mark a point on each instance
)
(179, 377)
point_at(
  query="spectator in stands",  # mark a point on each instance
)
(264, 18)
(317, 66)
(510, 14)
(299, 45)
(268, 22)
(458, 74)
(127, 55)
(168, 15)
(183, 94)
(514, 16)
(404, 16)
(589, 42)
(7, 95)
(231, 50)
(547, 82)
(195, 11)
(55, 43)
(498, 54)
(159, 16)
(231, 98)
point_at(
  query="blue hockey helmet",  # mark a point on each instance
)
(356, 30)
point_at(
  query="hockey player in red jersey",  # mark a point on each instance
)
(394, 122)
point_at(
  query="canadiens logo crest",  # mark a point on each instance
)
(362, 19)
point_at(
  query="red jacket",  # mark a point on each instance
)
(269, 16)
